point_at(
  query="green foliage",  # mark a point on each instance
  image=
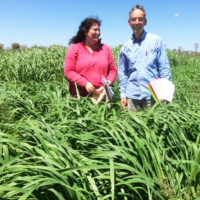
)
(54, 147)
(34, 64)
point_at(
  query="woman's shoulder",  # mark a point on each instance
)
(75, 48)
(105, 47)
(76, 45)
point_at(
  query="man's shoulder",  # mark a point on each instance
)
(127, 44)
(153, 36)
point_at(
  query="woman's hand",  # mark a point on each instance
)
(89, 87)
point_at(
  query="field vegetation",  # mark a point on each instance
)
(53, 147)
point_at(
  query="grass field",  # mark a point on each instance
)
(55, 148)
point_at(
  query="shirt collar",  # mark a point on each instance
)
(143, 36)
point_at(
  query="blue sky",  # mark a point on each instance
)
(47, 22)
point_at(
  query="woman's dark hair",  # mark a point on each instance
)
(84, 28)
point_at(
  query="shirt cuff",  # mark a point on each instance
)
(83, 82)
(122, 95)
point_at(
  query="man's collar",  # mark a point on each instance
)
(143, 36)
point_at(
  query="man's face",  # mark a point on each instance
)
(137, 21)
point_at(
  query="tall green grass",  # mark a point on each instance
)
(54, 147)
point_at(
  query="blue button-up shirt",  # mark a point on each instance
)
(139, 63)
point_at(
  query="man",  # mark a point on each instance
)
(141, 59)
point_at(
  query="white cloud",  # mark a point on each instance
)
(176, 14)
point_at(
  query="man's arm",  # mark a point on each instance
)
(163, 62)
(122, 78)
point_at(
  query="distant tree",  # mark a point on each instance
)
(1, 46)
(180, 49)
(196, 47)
(22, 47)
(15, 46)
(38, 47)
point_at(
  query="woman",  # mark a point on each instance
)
(88, 60)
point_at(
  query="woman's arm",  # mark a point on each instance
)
(112, 71)
(70, 67)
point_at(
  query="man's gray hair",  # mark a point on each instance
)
(136, 7)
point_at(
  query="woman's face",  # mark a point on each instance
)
(92, 36)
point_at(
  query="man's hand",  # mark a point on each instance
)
(123, 102)
(164, 102)
(89, 87)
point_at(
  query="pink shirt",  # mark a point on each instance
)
(81, 67)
